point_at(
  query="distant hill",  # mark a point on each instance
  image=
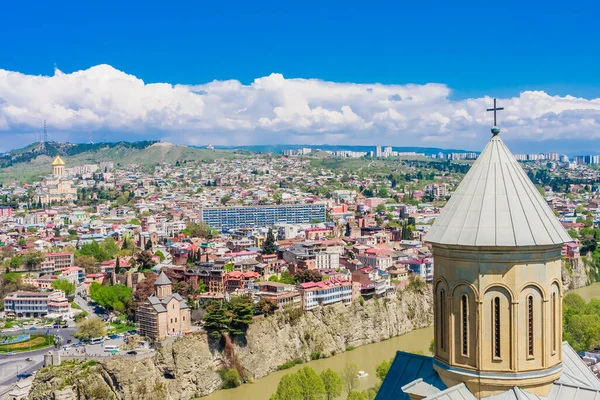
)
(278, 148)
(33, 161)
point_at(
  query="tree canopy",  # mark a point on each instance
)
(62, 284)
(115, 297)
(581, 322)
(269, 246)
(90, 328)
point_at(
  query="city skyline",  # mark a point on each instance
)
(197, 74)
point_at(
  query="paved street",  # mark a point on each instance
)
(10, 366)
(81, 302)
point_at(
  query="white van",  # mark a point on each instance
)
(97, 340)
(111, 347)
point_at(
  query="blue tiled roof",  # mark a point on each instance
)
(406, 368)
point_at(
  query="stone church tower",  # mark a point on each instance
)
(497, 281)
(162, 286)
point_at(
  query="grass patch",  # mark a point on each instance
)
(349, 348)
(121, 326)
(75, 306)
(35, 343)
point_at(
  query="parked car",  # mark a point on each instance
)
(132, 353)
(114, 336)
(68, 341)
(65, 326)
(56, 326)
(24, 375)
(33, 328)
(10, 353)
(133, 331)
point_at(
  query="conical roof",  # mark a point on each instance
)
(496, 204)
(58, 161)
(162, 280)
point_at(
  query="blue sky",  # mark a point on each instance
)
(477, 48)
(474, 48)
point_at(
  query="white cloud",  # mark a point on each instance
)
(273, 109)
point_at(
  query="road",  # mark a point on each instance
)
(84, 305)
(10, 366)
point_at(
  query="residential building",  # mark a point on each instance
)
(316, 294)
(61, 260)
(281, 294)
(25, 305)
(164, 313)
(261, 216)
(238, 280)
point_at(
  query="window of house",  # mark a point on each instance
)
(496, 313)
(530, 325)
(464, 323)
(171, 320)
(175, 319)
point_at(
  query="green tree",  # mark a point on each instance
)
(148, 244)
(383, 368)
(332, 384)
(109, 247)
(380, 208)
(115, 297)
(144, 260)
(93, 249)
(350, 377)
(216, 321)
(225, 199)
(230, 378)
(354, 395)
(62, 284)
(90, 328)
(242, 310)
(311, 385)
(32, 260)
(201, 230)
(228, 267)
(160, 255)
(288, 388)
(269, 246)
(88, 263)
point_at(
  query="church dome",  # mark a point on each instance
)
(496, 204)
(58, 161)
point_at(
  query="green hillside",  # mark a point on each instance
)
(32, 162)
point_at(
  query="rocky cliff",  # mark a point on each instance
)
(574, 274)
(189, 367)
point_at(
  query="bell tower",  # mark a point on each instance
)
(162, 286)
(497, 280)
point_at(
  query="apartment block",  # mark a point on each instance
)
(23, 304)
(262, 216)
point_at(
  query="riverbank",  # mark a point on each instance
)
(189, 368)
(365, 357)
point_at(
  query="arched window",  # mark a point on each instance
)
(496, 327)
(554, 312)
(530, 325)
(442, 320)
(464, 325)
